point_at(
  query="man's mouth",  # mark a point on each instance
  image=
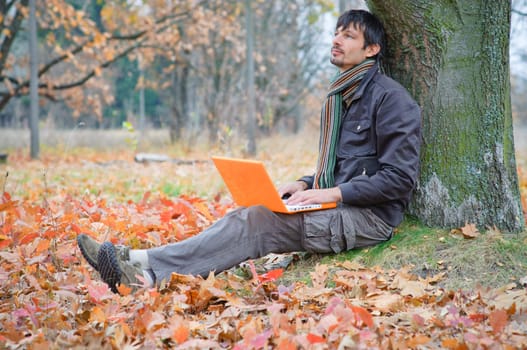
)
(335, 51)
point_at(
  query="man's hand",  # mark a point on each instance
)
(301, 196)
(292, 187)
(326, 195)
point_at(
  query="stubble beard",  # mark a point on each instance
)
(335, 61)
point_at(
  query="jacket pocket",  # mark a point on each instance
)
(355, 138)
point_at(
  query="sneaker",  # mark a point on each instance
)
(116, 269)
(90, 249)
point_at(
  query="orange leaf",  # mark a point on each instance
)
(363, 314)
(498, 320)
(5, 206)
(203, 209)
(124, 289)
(181, 334)
(313, 338)
(417, 340)
(450, 343)
(42, 245)
(286, 344)
(97, 315)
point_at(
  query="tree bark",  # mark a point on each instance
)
(453, 57)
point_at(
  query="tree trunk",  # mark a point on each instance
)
(33, 84)
(453, 56)
(251, 100)
(179, 105)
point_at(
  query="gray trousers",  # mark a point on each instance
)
(253, 232)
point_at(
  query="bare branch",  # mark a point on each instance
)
(518, 12)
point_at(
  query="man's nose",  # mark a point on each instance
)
(336, 39)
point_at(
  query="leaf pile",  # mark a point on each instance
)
(50, 298)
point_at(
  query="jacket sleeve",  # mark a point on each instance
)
(308, 179)
(398, 128)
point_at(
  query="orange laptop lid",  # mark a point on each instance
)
(250, 184)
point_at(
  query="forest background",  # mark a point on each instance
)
(186, 82)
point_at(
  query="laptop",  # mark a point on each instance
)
(250, 184)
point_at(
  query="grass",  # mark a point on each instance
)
(490, 260)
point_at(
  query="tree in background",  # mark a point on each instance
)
(75, 49)
(192, 55)
(454, 58)
(203, 76)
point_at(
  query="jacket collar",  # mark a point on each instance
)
(365, 81)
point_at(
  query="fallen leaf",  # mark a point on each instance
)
(498, 320)
(470, 231)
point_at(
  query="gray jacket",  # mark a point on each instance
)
(378, 151)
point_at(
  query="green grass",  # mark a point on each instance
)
(491, 260)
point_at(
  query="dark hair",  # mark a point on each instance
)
(369, 24)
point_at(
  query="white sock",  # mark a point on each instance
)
(148, 274)
(139, 256)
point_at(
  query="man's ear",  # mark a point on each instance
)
(372, 50)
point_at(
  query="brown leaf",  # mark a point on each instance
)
(470, 231)
(319, 276)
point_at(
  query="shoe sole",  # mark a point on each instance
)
(85, 253)
(109, 266)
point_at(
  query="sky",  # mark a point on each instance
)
(518, 47)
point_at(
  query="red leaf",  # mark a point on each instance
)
(30, 237)
(313, 338)
(270, 276)
(75, 228)
(477, 317)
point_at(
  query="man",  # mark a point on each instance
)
(368, 163)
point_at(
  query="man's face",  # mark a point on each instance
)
(348, 48)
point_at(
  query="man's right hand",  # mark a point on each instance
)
(291, 187)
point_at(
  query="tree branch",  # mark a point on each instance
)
(518, 12)
(9, 39)
(6, 96)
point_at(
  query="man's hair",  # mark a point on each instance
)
(369, 24)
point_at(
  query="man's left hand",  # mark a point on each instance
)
(326, 195)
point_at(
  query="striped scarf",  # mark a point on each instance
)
(342, 89)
